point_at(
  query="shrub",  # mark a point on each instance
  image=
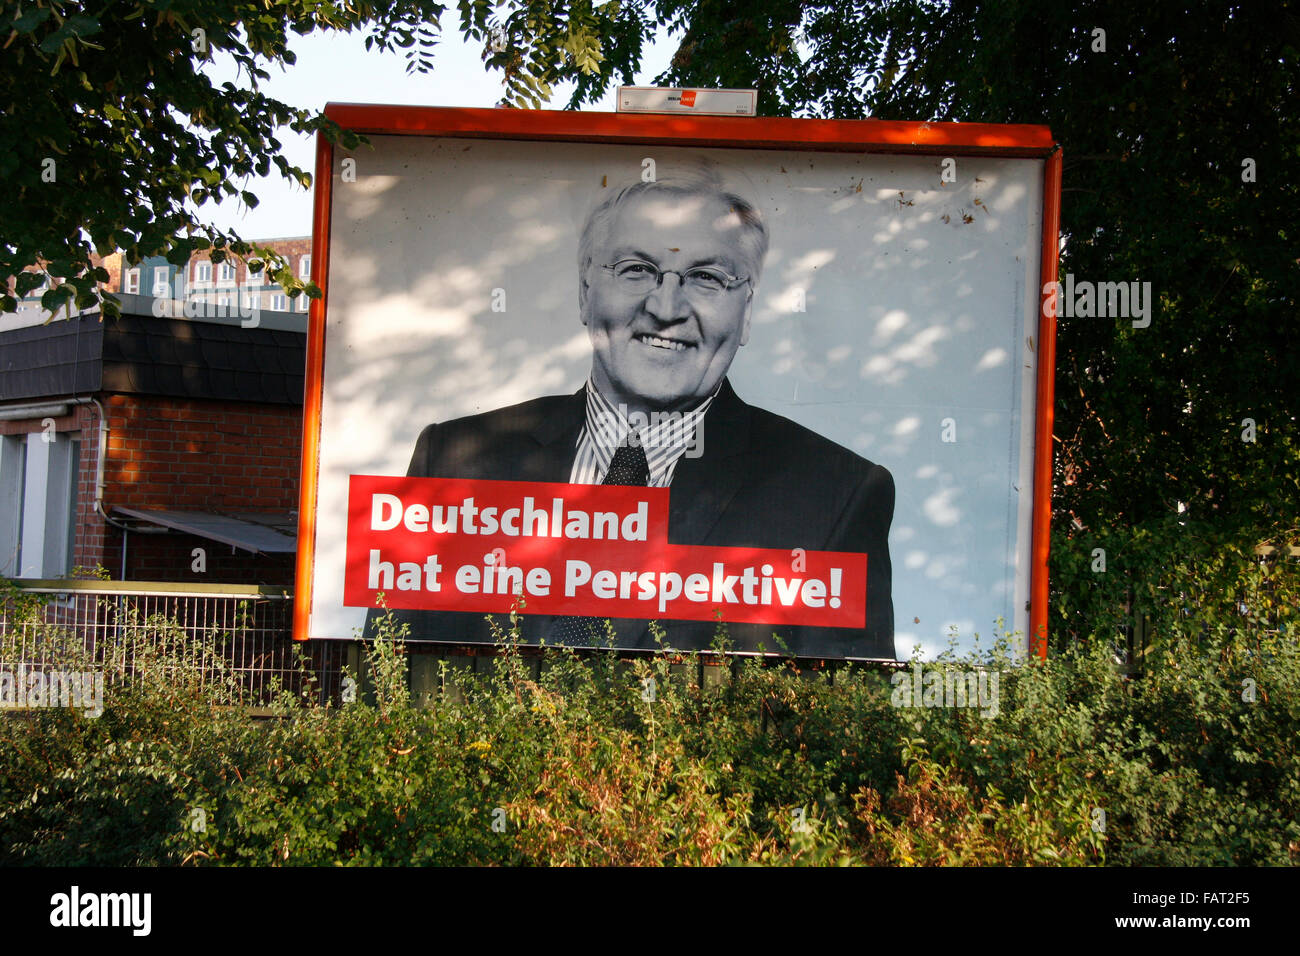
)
(598, 760)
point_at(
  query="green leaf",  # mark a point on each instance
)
(82, 25)
(30, 20)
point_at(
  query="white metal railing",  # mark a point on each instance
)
(219, 630)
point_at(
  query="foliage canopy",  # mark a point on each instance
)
(1182, 169)
(116, 137)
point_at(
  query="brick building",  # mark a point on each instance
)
(158, 448)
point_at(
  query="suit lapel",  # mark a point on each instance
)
(558, 437)
(703, 487)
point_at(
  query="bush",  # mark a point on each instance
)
(603, 761)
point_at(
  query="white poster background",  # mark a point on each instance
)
(920, 299)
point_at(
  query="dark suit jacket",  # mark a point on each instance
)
(761, 481)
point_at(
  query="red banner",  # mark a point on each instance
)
(443, 544)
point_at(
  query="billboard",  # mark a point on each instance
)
(793, 376)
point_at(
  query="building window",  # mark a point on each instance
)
(13, 469)
(302, 303)
(203, 271)
(38, 503)
(304, 267)
(223, 302)
(225, 272)
(162, 284)
(252, 300)
(132, 281)
(278, 303)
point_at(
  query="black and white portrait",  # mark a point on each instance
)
(802, 348)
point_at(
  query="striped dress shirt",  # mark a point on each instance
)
(665, 436)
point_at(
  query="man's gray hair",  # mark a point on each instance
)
(700, 178)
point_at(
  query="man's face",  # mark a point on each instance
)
(668, 347)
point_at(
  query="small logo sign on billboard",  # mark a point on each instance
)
(659, 99)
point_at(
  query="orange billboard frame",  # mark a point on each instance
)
(818, 135)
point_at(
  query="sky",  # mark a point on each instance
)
(334, 67)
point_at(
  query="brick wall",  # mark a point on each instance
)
(182, 455)
(192, 455)
(91, 542)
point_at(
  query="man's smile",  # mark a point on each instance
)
(659, 342)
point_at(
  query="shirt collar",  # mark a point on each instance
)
(665, 436)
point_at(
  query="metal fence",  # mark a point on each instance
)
(244, 633)
(222, 631)
(240, 633)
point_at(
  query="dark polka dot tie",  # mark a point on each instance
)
(627, 467)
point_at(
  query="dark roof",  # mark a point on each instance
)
(259, 534)
(61, 358)
(203, 360)
(141, 354)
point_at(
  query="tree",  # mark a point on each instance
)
(116, 138)
(1182, 168)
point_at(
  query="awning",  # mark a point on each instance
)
(258, 533)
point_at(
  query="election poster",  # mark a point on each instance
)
(638, 379)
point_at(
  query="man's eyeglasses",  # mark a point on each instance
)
(636, 276)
